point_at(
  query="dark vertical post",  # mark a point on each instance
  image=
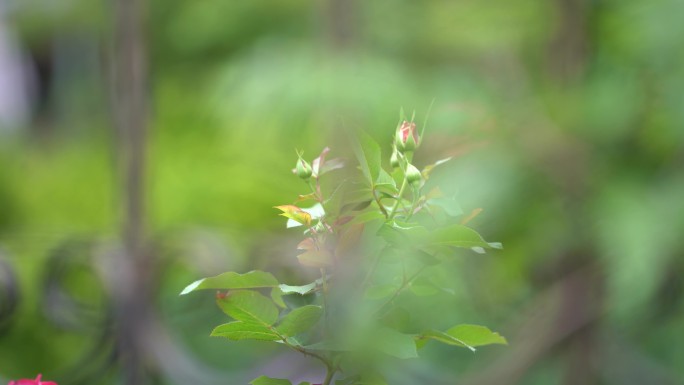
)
(569, 54)
(569, 47)
(341, 23)
(131, 113)
(129, 83)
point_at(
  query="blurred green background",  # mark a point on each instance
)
(566, 118)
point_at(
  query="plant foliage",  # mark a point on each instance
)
(346, 318)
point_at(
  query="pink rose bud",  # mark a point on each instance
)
(407, 138)
(37, 381)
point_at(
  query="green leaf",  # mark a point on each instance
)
(428, 169)
(263, 380)
(403, 235)
(371, 379)
(331, 165)
(391, 235)
(232, 280)
(380, 291)
(458, 236)
(426, 258)
(385, 183)
(356, 207)
(239, 330)
(395, 344)
(329, 345)
(441, 337)
(302, 290)
(476, 335)
(449, 205)
(423, 287)
(358, 195)
(368, 216)
(307, 197)
(249, 306)
(300, 320)
(468, 336)
(333, 204)
(368, 154)
(277, 297)
(398, 318)
(292, 341)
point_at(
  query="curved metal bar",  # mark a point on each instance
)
(62, 308)
(60, 305)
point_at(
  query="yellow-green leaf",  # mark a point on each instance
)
(476, 335)
(295, 213)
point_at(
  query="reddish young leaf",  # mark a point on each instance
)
(470, 216)
(349, 239)
(315, 258)
(307, 244)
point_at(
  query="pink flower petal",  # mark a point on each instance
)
(37, 381)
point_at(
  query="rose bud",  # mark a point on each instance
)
(37, 381)
(394, 159)
(413, 175)
(303, 169)
(407, 138)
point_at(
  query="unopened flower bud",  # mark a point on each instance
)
(394, 159)
(407, 138)
(413, 175)
(303, 169)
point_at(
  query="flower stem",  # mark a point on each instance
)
(377, 200)
(396, 203)
(414, 205)
(326, 305)
(330, 373)
(404, 166)
(302, 350)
